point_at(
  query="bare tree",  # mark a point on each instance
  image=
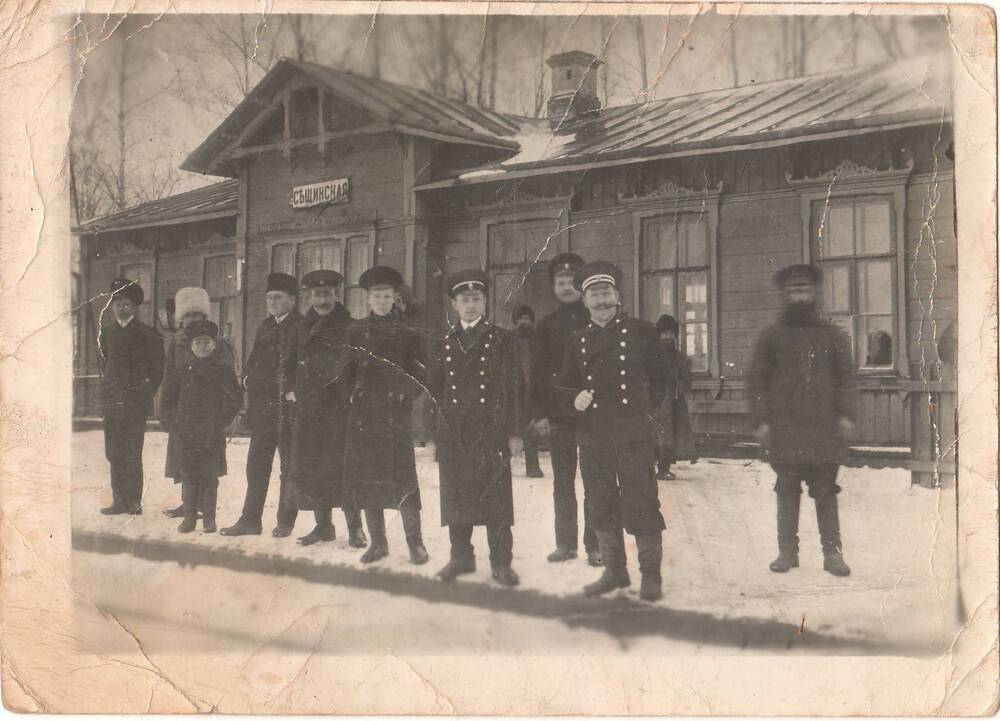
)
(640, 50)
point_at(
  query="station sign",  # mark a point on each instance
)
(324, 193)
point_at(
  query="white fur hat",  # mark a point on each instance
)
(191, 299)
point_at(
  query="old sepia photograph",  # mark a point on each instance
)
(508, 359)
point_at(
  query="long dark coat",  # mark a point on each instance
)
(622, 363)
(551, 335)
(799, 386)
(386, 374)
(178, 357)
(312, 365)
(199, 400)
(132, 369)
(265, 407)
(675, 435)
(475, 384)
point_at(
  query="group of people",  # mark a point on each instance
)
(333, 396)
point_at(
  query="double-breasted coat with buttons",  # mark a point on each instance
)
(386, 373)
(265, 405)
(475, 384)
(313, 364)
(178, 357)
(622, 364)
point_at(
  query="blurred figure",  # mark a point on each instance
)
(676, 442)
(523, 319)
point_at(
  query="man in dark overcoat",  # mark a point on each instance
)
(385, 375)
(131, 371)
(475, 385)
(267, 416)
(801, 409)
(523, 318)
(612, 380)
(551, 418)
(310, 377)
(676, 441)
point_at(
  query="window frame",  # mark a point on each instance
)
(672, 200)
(853, 182)
(226, 302)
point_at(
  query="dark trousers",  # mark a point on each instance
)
(821, 480)
(530, 452)
(200, 488)
(123, 440)
(563, 452)
(500, 539)
(621, 487)
(260, 459)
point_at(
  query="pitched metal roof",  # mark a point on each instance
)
(218, 200)
(407, 110)
(913, 91)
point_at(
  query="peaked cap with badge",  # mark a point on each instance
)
(322, 279)
(599, 271)
(564, 263)
(464, 280)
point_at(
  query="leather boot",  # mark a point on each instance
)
(650, 561)
(324, 531)
(828, 520)
(788, 532)
(379, 547)
(356, 537)
(612, 545)
(414, 535)
(209, 500)
(190, 495)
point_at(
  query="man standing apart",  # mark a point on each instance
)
(800, 408)
(385, 375)
(132, 369)
(266, 413)
(311, 377)
(551, 419)
(613, 380)
(523, 318)
(475, 384)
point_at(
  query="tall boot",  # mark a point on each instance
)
(650, 561)
(612, 545)
(828, 520)
(324, 530)
(379, 547)
(190, 494)
(414, 535)
(788, 532)
(209, 500)
(356, 537)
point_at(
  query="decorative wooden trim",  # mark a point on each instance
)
(849, 171)
(671, 198)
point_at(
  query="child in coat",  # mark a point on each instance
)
(199, 401)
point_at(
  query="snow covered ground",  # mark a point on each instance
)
(210, 592)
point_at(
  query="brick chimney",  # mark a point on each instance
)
(574, 86)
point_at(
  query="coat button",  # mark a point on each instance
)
(594, 404)
(448, 359)
(624, 331)
(454, 400)
(622, 357)
(583, 350)
(624, 401)
(482, 387)
(623, 386)
(482, 400)
(451, 373)
(623, 372)
(482, 373)
(622, 344)
(486, 345)
(447, 347)
(454, 388)
(590, 378)
(482, 358)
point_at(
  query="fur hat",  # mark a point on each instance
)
(192, 299)
(665, 323)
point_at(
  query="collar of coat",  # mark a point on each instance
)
(593, 327)
(483, 331)
(316, 323)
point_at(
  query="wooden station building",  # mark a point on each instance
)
(699, 198)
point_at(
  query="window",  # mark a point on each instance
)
(303, 113)
(220, 282)
(675, 277)
(518, 255)
(349, 255)
(852, 241)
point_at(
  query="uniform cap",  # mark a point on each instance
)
(665, 323)
(125, 288)
(800, 273)
(472, 279)
(523, 310)
(322, 279)
(202, 327)
(597, 272)
(283, 282)
(564, 263)
(380, 275)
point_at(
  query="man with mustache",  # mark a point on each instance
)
(612, 381)
(551, 418)
(800, 408)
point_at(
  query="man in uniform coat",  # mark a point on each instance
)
(612, 381)
(475, 384)
(551, 419)
(269, 423)
(523, 318)
(801, 410)
(310, 377)
(132, 369)
(386, 373)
